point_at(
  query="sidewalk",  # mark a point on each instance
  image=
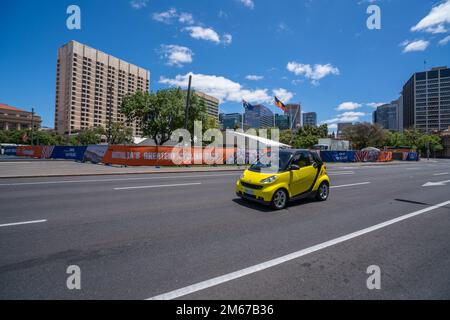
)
(28, 168)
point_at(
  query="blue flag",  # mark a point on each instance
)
(248, 106)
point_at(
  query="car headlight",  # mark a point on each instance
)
(269, 180)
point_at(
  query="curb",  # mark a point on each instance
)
(122, 173)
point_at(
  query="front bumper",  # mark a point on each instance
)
(263, 196)
(245, 196)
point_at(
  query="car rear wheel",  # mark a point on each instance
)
(280, 199)
(323, 192)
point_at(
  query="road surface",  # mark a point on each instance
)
(187, 236)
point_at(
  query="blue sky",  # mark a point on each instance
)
(317, 52)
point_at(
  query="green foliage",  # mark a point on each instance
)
(36, 138)
(305, 137)
(120, 134)
(160, 114)
(88, 137)
(363, 135)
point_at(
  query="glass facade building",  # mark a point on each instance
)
(387, 116)
(426, 100)
(310, 119)
(259, 117)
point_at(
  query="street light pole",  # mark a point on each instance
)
(188, 98)
(32, 126)
(109, 112)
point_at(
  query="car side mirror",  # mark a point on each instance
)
(294, 167)
(315, 165)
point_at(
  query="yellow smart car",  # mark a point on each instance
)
(301, 173)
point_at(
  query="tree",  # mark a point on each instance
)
(305, 137)
(37, 138)
(394, 139)
(88, 137)
(120, 134)
(160, 114)
(431, 143)
(363, 135)
(412, 138)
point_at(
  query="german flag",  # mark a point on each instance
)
(280, 104)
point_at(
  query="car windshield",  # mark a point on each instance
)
(284, 159)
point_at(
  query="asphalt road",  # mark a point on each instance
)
(187, 236)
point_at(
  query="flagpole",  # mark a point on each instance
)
(295, 117)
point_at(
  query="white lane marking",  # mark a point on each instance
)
(160, 186)
(115, 180)
(340, 173)
(441, 174)
(21, 223)
(14, 162)
(275, 262)
(351, 185)
(435, 184)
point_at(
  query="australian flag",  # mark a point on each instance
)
(248, 106)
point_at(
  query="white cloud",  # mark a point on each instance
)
(222, 88)
(282, 94)
(313, 73)
(227, 39)
(436, 19)
(166, 16)
(208, 34)
(177, 55)
(417, 45)
(185, 17)
(171, 15)
(138, 4)
(444, 41)
(375, 104)
(253, 77)
(348, 106)
(248, 3)
(343, 118)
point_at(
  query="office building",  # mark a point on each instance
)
(12, 118)
(282, 121)
(231, 121)
(212, 104)
(341, 127)
(294, 111)
(426, 100)
(90, 85)
(310, 119)
(258, 117)
(387, 116)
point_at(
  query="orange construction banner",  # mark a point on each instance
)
(29, 151)
(131, 156)
(385, 156)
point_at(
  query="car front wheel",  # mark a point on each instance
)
(323, 192)
(280, 199)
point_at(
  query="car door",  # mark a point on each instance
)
(302, 180)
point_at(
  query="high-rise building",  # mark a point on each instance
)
(231, 121)
(294, 111)
(426, 100)
(90, 85)
(12, 118)
(310, 119)
(212, 104)
(341, 127)
(282, 121)
(258, 117)
(387, 116)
